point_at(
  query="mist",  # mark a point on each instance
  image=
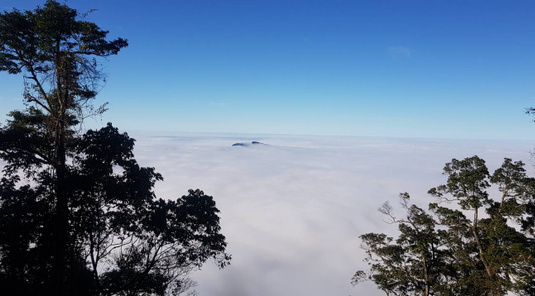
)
(292, 208)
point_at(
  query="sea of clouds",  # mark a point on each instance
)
(292, 210)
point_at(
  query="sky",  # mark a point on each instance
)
(395, 88)
(388, 68)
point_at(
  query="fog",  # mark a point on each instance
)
(293, 208)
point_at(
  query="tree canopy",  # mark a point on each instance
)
(479, 246)
(78, 214)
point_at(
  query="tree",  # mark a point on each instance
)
(416, 263)
(485, 254)
(78, 215)
(498, 250)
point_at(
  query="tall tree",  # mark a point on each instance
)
(496, 248)
(416, 263)
(78, 215)
(483, 251)
(52, 47)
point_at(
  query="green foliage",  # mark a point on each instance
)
(460, 250)
(416, 262)
(78, 215)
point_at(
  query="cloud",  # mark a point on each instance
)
(400, 52)
(292, 210)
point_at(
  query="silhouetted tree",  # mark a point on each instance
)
(416, 263)
(485, 254)
(78, 215)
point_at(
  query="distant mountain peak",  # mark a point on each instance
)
(243, 144)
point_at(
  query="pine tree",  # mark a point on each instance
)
(78, 215)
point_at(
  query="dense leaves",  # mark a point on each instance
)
(78, 214)
(478, 246)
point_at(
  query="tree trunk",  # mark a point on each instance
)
(62, 216)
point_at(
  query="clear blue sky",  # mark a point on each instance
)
(410, 68)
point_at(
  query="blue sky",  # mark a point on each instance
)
(446, 69)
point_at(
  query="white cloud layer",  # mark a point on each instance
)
(292, 210)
